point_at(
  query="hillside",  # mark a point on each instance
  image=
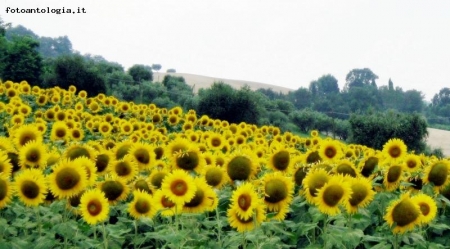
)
(199, 81)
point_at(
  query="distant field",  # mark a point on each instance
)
(439, 139)
(199, 81)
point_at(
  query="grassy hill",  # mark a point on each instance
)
(199, 81)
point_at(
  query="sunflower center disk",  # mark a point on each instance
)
(359, 194)
(239, 168)
(122, 151)
(67, 178)
(404, 213)
(30, 189)
(60, 133)
(3, 189)
(188, 161)
(330, 152)
(142, 156)
(179, 187)
(317, 182)
(26, 138)
(157, 179)
(438, 174)
(332, 195)
(167, 203)
(75, 200)
(197, 200)
(142, 206)
(395, 152)
(142, 185)
(369, 166)
(77, 152)
(411, 164)
(424, 208)
(213, 177)
(215, 142)
(123, 169)
(300, 174)
(313, 157)
(281, 160)
(101, 163)
(33, 156)
(346, 169)
(394, 173)
(276, 191)
(112, 190)
(244, 201)
(94, 207)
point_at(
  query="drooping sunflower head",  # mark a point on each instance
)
(278, 190)
(190, 159)
(115, 189)
(335, 192)
(104, 159)
(393, 175)
(362, 194)
(312, 156)
(94, 206)
(143, 184)
(437, 174)
(205, 198)
(315, 179)
(25, 134)
(142, 205)
(368, 165)
(394, 149)
(156, 178)
(241, 165)
(215, 176)
(123, 148)
(404, 213)
(80, 150)
(67, 179)
(281, 160)
(346, 167)
(31, 187)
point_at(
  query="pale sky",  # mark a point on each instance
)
(285, 43)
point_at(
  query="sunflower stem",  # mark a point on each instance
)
(105, 240)
(219, 227)
(95, 231)
(38, 215)
(244, 242)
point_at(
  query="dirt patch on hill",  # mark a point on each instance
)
(439, 139)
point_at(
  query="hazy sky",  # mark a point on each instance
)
(286, 43)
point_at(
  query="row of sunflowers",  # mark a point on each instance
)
(106, 162)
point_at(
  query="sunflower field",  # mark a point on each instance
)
(79, 171)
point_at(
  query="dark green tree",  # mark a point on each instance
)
(301, 98)
(141, 73)
(412, 101)
(22, 61)
(360, 78)
(156, 67)
(325, 85)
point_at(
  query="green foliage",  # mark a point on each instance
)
(360, 78)
(376, 129)
(21, 61)
(325, 85)
(74, 70)
(141, 73)
(223, 102)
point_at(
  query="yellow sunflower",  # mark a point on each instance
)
(427, 206)
(241, 165)
(215, 176)
(190, 159)
(334, 193)
(25, 134)
(368, 165)
(393, 176)
(33, 154)
(141, 205)
(394, 149)
(215, 141)
(31, 187)
(281, 160)
(413, 162)
(437, 174)
(330, 150)
(125, 168)
(6, 190)
(79, 150)
(156, 178)
(5, 164)
(115, 189)
(179, 187)
(164, 205)
(278, 190)
(246, 200)
(346, 167)
(123, 148)
(94, 206)
(143, 154)
(362, 194)
(205, 198)
(104, 159)
(89, 166)
(67, 179)
(315, 179)
(404, 213)
(6, 144)
(59, 131)
(246, 224)
(142, 184)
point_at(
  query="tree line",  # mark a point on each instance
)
(49, 62)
